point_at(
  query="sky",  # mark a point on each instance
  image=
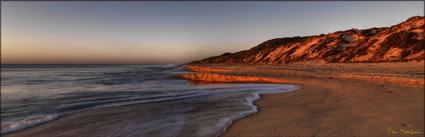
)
(144, 32)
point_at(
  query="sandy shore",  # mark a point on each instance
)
(366, 99)
(369, 99)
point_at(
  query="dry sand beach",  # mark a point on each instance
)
(339, 99)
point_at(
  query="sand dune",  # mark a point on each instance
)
(401, 42)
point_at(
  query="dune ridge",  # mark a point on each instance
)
(401, 42)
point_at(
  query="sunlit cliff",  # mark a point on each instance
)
(401, 42)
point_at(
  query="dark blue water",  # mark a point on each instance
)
(36, 94)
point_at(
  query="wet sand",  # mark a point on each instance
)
(364, 99)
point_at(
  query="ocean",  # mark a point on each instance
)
(32, 95)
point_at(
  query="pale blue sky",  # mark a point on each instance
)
(174, 32)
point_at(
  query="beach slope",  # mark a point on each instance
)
(339, 99)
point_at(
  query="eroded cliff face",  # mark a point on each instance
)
(401, 42)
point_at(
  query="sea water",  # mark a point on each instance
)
(35, 94)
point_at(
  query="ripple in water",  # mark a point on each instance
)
(36, 94)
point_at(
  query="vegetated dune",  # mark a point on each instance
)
(401, 42)
(219, 78)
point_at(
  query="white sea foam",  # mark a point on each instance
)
(183, 108)
(29, 122)
(268, 89)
